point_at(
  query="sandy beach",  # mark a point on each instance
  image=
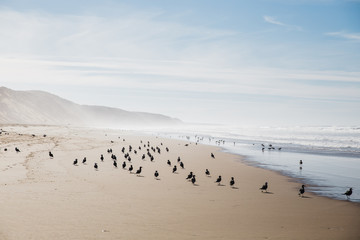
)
(50, 198)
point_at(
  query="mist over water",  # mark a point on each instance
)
(330, 154)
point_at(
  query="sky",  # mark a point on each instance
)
(246, 63)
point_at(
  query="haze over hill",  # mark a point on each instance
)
(39, 107)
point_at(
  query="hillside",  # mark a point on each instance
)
(38, 107)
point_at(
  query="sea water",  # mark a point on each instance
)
(330, 155)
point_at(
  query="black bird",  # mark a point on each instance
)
(218, 180)
(17, 150)
(193, 179)
(178, 159)
(131, 168)
(102, 158)
(138, 171)
(190, 175)
(156, 174)
(167, 149)
(232, 181)
(181, 164)
(115, 164)
(264, 187)
(302, 190)
(301, 162)
(212, 155)
(124, 164)
(96, 166)
(348, 193)
(75, 161)
(51, 155)
(168, 162)
(174, 169)
(84, 160)
(207, 172)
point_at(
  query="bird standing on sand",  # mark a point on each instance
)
(51, 155)
(212, 155)
(181, 164)
(193, 179)
(174, 169)
(264, 187)
(102, 158)
(207, 172)
(75, 161)
(189, 176)
(138, 171)
(115, 164)
(232, 182)
(168, 162)
(348, 193)
(156, 174)
(96, 166)
(302, 190)
(218, 180)
(124, 164)
(131, 168)
(84, 160)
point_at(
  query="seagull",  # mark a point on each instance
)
(115, 164)
(302, 190)
(232, 181)
(218, 180)
(75, 161)
(156, 174)
(193, 179)
(138, 171)
(264, 187)
(96, 166)
(348, 193)
(190, 175)
(207, 172)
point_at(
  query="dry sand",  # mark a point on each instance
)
(50, 198)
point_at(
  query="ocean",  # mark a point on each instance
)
(330, 155)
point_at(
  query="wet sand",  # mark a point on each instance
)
(50, 198)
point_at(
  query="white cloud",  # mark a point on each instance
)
(273, 20)
(349, 36)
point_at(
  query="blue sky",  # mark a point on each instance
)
(270, 62)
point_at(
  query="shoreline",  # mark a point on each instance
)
(117, 204)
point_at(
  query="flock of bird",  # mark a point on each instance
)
(191, 176)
